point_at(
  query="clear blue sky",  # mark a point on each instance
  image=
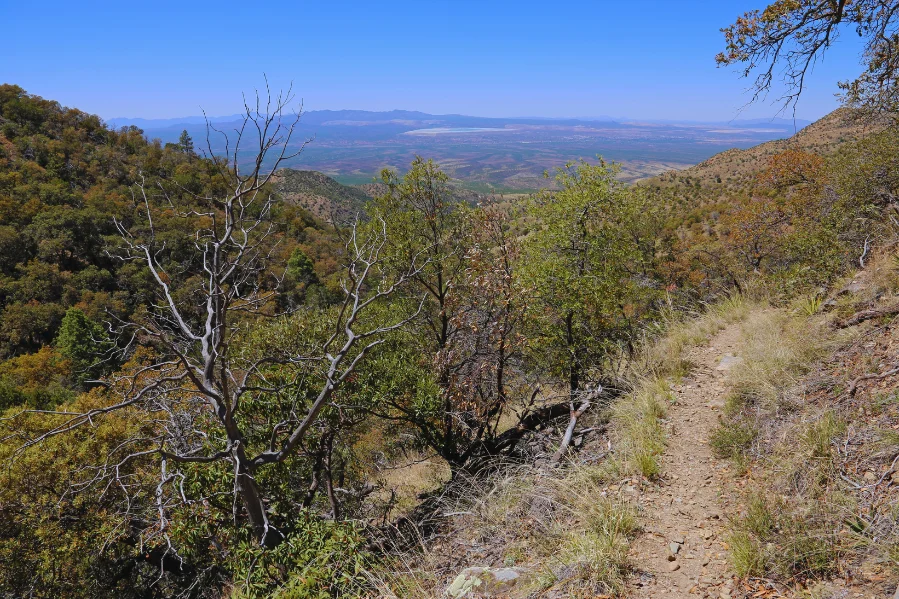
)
(161, 59)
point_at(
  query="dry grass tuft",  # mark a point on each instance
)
(667, 355)
(639, 434)
(777, 351)
(790, 538)
(560, 526)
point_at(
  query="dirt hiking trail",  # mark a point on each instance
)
(681, 552)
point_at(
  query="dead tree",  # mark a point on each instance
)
(191, 391)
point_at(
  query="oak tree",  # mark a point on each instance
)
(790, 36)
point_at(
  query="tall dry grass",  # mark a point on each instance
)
(792, 524)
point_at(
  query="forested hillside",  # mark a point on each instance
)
(321, 195)
(66, 183)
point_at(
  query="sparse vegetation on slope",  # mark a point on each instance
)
(321, 195)
(733, 169)
(812, 440)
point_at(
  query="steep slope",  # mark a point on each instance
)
(824, 136)
(810, 427)
(321, 195)
(64, 176)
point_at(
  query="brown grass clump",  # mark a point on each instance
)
(561, 527)
(777, 351)
(793, 522)
(819, 460)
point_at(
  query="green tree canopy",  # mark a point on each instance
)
(585, 265)
(85, 343)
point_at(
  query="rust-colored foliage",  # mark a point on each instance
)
(488, 311)
(790, 191)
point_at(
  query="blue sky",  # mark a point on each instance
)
(650, 59)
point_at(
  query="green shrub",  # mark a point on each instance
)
(733, 439)
(318, 560)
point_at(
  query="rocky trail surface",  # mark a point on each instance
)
(682, 551)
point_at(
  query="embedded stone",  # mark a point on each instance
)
(728, 362)
(484, 582)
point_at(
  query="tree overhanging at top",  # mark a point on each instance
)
(787, 38)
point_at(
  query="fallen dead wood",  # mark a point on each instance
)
(853, 386)
(566, 439)
(865, 315)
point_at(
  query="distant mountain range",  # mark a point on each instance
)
(323, 116)
(487, 154)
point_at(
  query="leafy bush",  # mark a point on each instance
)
(318, 560)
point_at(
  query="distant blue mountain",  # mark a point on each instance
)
(403, 118)
(165, 123)
(396, 117)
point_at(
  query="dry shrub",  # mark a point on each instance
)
(558, 525)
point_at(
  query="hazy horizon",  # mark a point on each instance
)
(199, 118)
